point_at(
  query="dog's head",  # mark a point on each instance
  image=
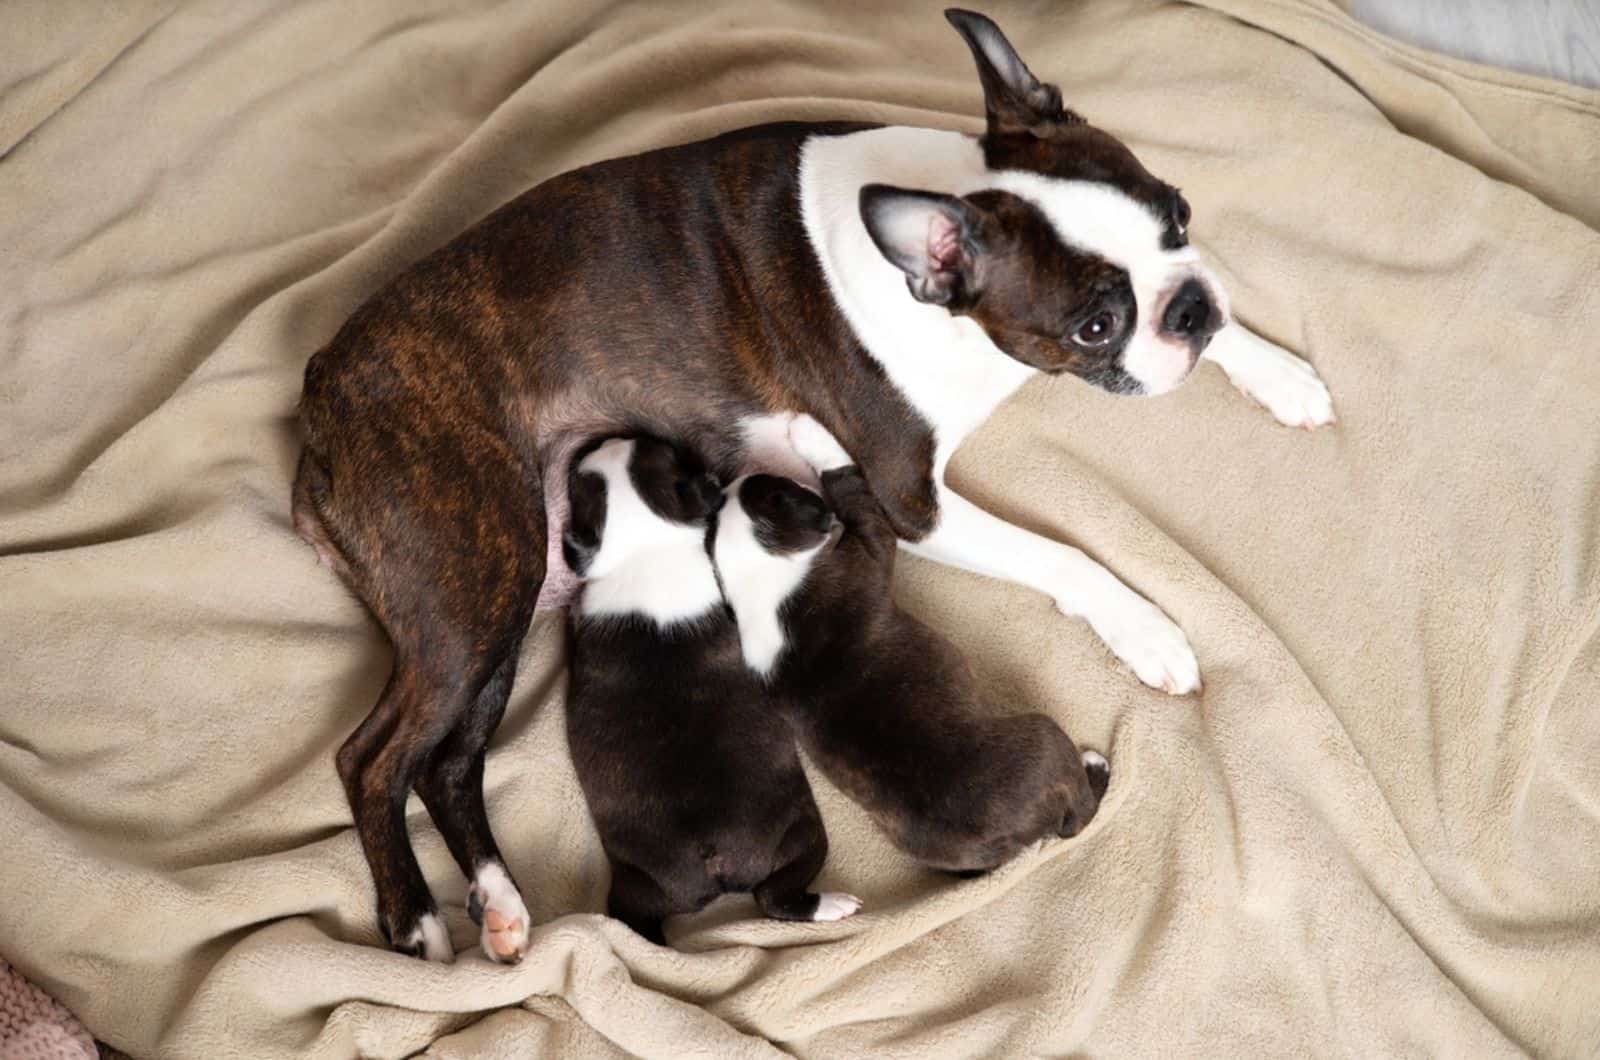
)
(626, 495)
(1074, 258)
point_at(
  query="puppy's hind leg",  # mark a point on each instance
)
(1099, 770)
(1087, 792)
(638, 901)
(784, 894)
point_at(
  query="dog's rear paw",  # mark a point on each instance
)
(835, 905)
(494, 902)
(428, 940)
(816, 444)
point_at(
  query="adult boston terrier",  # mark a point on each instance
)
(886, 707)
(896, 283)
(692, 779)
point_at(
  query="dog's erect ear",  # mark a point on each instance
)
(1014, 100)
(936, 240)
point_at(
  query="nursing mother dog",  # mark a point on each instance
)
(895, 283)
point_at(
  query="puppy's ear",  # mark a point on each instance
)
(936, 240)
(811, 513)
(835, 532)
(586, 519)
(700, 495)
(1013, 99)
(578, 549)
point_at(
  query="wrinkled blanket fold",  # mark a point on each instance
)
(1376, 833)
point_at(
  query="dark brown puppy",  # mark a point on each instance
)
(693, 782)
(886, 707)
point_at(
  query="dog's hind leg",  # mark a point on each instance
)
(447, 551)
(451, 786)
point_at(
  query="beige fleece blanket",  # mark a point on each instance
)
(1376, 833)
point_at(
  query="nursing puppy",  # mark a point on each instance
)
(885, 706)
(693, 782)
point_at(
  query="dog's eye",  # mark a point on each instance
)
(1098, 330)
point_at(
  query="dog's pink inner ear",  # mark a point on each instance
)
(944, 243)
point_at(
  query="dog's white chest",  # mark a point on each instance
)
(946, 367)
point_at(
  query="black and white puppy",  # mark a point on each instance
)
(692, 780)
(885, 706)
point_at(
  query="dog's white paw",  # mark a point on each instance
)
(835, 905)
(495, 904)
(430, 941)
(816, 444)
(1152, 645)
(1287, 386)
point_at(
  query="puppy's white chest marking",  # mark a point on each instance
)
(666, 585)
(646, 565)
(755, 583)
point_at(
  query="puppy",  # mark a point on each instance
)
(693, 782)
(886, 707)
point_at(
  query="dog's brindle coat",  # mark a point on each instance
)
(675, 292)
(885, 706)
(692, 779)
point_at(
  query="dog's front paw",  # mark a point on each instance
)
(495, 904)
(816, 444)
(1285, 385)
(1152, 645)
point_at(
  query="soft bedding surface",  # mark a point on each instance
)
(1376, 833)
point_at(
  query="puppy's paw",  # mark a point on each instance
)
(495, 904)
(816, 444)
(1152, 645)
(428, 940)
(1285, 385)
(835, 905)
(1098, 771)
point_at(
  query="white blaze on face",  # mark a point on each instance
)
(1102, 220)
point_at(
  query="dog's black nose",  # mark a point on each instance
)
(1189, 312)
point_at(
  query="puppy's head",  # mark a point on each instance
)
(1074, 258)
(766, 537)
(627, 494)
(779, 515)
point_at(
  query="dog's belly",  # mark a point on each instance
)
(767, 449)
